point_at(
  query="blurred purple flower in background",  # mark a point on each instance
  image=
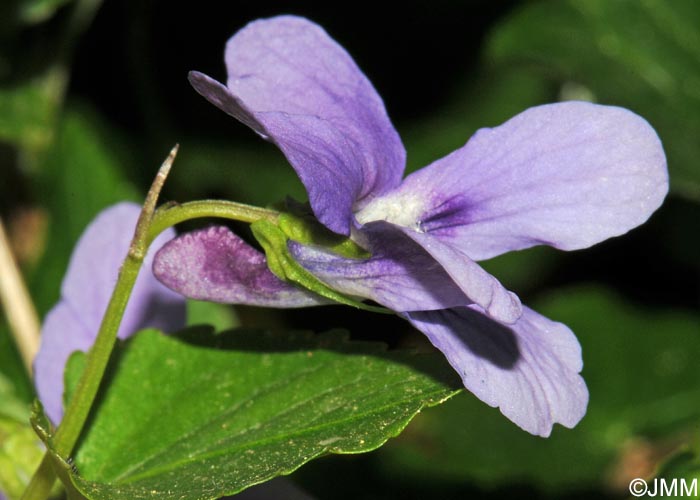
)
(73, 323)
(567, 175)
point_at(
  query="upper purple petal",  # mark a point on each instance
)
(400, 274)
(294, 85)
(529, 369)
(567, 175)
(216, 265)
(73, 323)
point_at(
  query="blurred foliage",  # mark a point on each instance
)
(11, 366)
(37, 11)
(27, 112)
(20, 448)
(632, 301)
(80, 177)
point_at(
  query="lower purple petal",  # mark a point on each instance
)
(216, 265)
(530, 369)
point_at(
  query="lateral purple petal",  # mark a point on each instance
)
(567, 175)
(92, 273)
(530, 369)
(400, 274)
(294, 85)
(216, 265)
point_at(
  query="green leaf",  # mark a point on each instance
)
(11, 407)
(20, 454)
(205, 415)
(641, 369)
(20, 449)
(641, 55)
(220, 316)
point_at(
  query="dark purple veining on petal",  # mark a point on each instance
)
(567, 175)
(216, 265)
(453, 211)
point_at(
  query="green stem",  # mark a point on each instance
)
(169, 215)
(42, 481)
(79, 407)
(150, 224)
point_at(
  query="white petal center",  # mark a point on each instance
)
(398, 208)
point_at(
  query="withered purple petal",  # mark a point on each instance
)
(216, 265)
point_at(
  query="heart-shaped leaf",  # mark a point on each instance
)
(201, 415)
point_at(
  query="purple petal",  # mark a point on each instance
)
(530, 369)
(567, 175)
(216, 265)
(479, 286)
(87, 286)
(400, 275)
(294, 85)
(62, 333)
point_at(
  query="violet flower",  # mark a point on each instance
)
(567, 175)
(73, 323)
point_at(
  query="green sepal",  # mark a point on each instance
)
(282, 264)
(310, 232)
(40, 423)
